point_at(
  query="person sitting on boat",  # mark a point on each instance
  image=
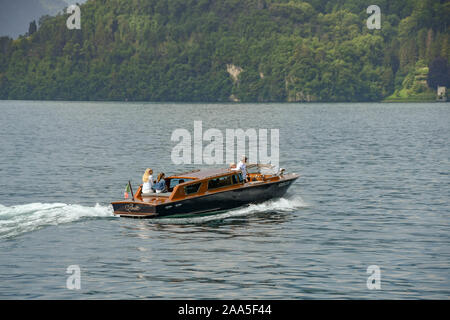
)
(147, 181)
(160, 185)
(242, 166)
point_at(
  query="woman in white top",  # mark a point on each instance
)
(147, 180)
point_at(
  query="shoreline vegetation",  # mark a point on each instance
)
(424, 97)
(232, 51)
(144, 102)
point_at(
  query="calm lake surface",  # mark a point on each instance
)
(374, 190)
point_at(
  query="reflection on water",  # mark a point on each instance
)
(225, 222)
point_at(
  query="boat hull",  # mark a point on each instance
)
(207, 203)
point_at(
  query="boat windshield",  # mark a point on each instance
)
(265, 169)
(176, 181)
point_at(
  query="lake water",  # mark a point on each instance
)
(374, 190)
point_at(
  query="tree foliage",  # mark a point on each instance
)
(439, 73)
(179, 50)
(32, 27)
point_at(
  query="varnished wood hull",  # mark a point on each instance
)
(206, 203)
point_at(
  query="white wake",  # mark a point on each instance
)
(278, 205)
(15, 220)
(19, 219)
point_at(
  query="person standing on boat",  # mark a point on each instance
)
(147, 181)
(160, 185)
(242, 166)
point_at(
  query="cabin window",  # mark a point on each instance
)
(173, 182)
(235, 179)
(177, 181)
(241, 179)
(192, 188)
(219, 182)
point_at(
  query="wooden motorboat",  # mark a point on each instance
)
(207, 191)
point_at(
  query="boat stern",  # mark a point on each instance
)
(134, 209)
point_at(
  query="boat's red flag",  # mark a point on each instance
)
(127, 190)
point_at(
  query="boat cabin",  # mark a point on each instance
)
(200, 182)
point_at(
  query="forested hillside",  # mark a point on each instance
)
(239, 50)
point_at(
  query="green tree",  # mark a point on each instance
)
(32, 28)
(438, 74)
